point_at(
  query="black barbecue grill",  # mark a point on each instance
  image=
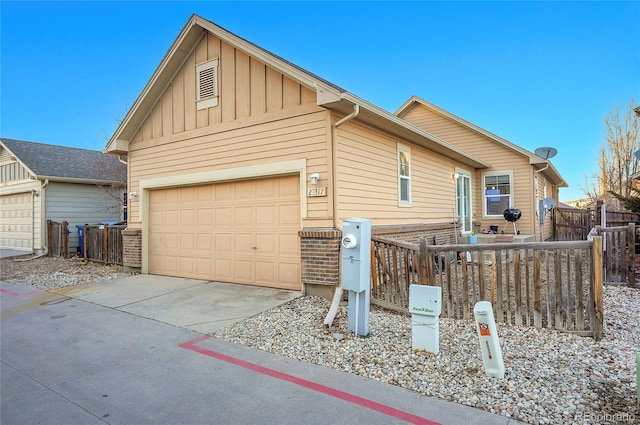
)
(512, 215)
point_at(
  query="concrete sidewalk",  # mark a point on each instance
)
(132, 351)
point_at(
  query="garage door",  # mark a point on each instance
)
(16, 223)
(242, 232)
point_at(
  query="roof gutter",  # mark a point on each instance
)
(356, 111)
(75, 180)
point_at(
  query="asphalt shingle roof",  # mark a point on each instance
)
(66, 162)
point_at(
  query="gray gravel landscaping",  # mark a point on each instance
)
(551, 377)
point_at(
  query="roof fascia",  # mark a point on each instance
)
(534, 159)
(175, 58)
(378, 117)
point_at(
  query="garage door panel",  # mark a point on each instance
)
(205, 217)
(267, 215)
(171, 242)
(205, 244)
(243, 244)
(243, 270)
(16, 221)
(223, 216)
(244, 190)
(204, 267)
(288, 245)
(266, 243)
(224, 243)
(223, 269)
(170, 265)
(289, 275)
(243, 216)
(171, 218)
(266, 272)
(288, 215)
(243, 232)
(187, 242)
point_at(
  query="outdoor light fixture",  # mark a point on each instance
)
(133, 195)
(313, 178)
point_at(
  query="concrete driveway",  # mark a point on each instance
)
(197, 305)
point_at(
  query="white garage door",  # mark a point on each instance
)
(16, 222)
(242, 232)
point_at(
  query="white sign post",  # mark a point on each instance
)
(489, 344)
(425, 307)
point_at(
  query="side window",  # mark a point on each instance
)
(498, 194)
(404, 175)
(207, 84)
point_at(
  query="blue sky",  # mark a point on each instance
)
(535, 73)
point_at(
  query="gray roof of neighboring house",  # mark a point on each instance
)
(64, 162)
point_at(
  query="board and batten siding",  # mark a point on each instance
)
(247, 88)
(501, 158)
(80, 204)
(367, 179)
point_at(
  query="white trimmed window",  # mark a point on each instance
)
(498, 193)
(404, 175)
(207, 84)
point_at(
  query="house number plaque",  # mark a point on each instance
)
(316, 191)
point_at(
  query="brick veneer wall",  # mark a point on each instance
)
(320, 259)
(132, 249)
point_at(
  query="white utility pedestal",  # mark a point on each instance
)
(356, 271)
(489, 344)
(425, 308)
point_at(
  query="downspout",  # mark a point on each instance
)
(356, 111)
(537, 207)
(121, 160)
(43, 218)
(337, 296)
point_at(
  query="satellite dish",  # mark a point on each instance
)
(637, 154)
(546, 153)
(549, 203)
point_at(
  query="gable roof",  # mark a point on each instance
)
(538, 162)
(62, 163)
(329, 95)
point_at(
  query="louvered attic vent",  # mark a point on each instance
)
(207, 79)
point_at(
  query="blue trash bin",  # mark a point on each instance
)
(80, 228)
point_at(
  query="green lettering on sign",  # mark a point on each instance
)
(424, 309)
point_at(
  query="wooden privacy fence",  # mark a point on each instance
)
(58, 239)
(103, 243)
(571, 224)
(619, 253)
(555, 285)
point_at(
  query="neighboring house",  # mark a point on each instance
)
(242, 167)
(41, 182)
(516, 178)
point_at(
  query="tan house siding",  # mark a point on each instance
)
(291, 137)
(367, 179)
(501, 158)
